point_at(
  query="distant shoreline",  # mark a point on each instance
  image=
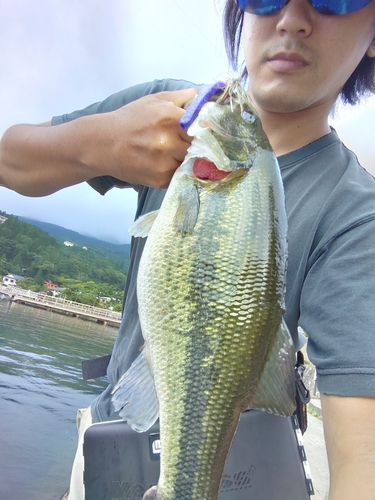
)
(62, 306)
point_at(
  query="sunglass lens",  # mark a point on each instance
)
(262, 7)
(327, 7)
(339, 7)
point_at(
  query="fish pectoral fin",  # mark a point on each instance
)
(134, 396)
(276, 392)
(187, 210)
(142, 226)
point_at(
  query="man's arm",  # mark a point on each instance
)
(349, 428)
(141, 143)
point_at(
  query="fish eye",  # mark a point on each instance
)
(248, 116)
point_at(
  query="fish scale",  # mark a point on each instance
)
(211, 297)
(195, 419)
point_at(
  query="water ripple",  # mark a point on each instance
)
(40, 390)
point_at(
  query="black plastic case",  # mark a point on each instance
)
(265, 462)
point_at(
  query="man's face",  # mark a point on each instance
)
(298, 58)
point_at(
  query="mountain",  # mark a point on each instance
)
(100, 247)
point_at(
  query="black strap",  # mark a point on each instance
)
(94, 368)
(302, 394)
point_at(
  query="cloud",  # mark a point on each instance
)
(63, 55)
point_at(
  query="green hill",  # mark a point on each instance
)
(85, 274)
(98, 246)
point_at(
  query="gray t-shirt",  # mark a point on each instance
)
(330, 290)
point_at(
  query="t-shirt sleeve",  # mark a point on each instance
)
(338, 311)
(115, 101)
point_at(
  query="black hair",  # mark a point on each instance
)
(360, 83)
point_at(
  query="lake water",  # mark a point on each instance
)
(41, 388)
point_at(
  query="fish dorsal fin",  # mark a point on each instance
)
(187, 210)
(134, 395)
(142, 226)
(276, 390)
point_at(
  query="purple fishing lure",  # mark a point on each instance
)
(203, 96)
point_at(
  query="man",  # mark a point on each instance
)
(298, 60)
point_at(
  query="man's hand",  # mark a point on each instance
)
(141, 143)
(149, 143)
(349, 428)
(150, 494)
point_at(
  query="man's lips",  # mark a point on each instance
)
(287, 61)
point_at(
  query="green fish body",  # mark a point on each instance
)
(211, 301)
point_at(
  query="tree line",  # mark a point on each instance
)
(86, 276)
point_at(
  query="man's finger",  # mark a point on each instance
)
(150, 494)
(180, 98)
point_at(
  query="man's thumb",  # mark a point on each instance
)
(181, 98)
(150, 494)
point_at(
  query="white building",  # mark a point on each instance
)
(9, 280)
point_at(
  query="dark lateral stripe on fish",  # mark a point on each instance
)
(195, 363)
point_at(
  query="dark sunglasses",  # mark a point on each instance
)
(328, 7)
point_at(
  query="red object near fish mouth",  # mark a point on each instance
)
(208, 171)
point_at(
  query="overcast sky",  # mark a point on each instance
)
(60, 55)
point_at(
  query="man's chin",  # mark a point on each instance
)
(281, 102)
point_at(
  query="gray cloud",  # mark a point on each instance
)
(61, 55)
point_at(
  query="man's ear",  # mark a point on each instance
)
(371, 50)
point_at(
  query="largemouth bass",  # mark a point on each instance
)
(211, 300)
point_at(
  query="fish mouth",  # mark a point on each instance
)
(206, 170)
(207, 173)
(211, 125)
(221, 132)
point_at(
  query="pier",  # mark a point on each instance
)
(43, 301)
